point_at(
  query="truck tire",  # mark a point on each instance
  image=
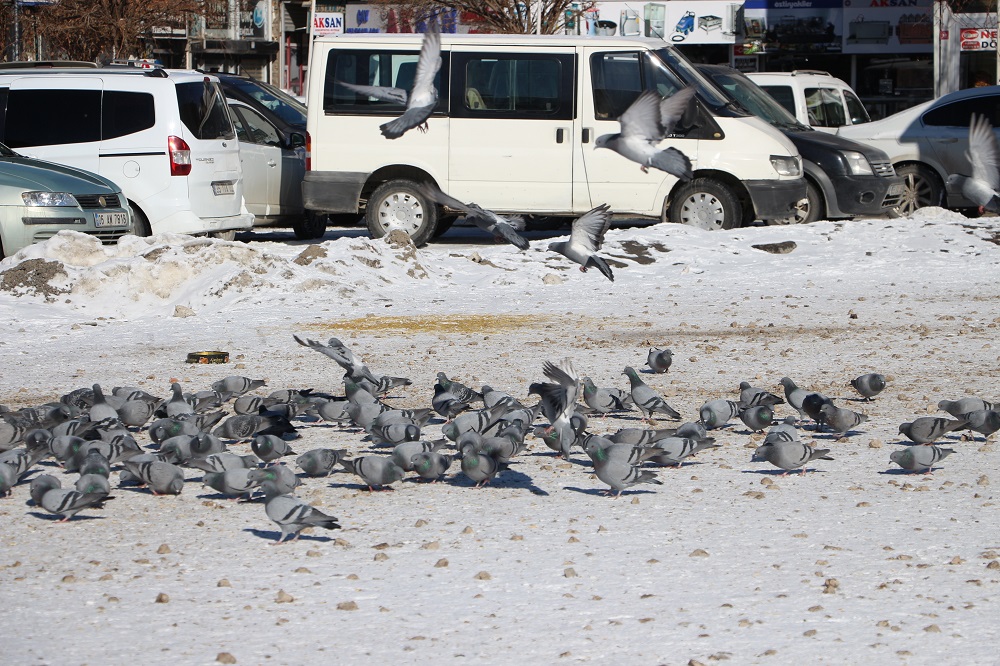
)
(707, 204)
(309, 226)
(921, 187)
(398, 204)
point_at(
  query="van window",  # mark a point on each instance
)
(390, 69)
(783, 95)
(126, 113)
(203, 111)
(825, 107)
(857, 110)
(959, 114)
(521, 86)
(619, 77)
(251, 127)
(52, 117)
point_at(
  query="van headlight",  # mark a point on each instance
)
(787, 165)
(48, 199)
(858, 164)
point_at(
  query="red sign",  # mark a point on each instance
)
(979, 39)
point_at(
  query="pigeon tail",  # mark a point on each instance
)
(673, 162)
(601, 265)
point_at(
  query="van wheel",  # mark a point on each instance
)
(707, 204)
(140, 223)
(921, 188)
(808, 210)
(309, 226)
(229, 235)
(397, 204)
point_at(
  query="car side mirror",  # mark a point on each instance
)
(296, 140)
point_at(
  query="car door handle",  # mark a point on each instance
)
(271, 163)
(560, 135)
(586, 134)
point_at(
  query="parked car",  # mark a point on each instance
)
(165, 136)
(39, 199)
(515, 129)
(929, 142)
(843, 178)
(283, 110)
(815, 98)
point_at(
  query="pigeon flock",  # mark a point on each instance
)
(150, 440)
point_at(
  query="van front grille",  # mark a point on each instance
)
(883, 169)
(94, 200)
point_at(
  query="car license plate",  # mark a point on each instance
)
(221, 187)
(110, 220)
(896, 189)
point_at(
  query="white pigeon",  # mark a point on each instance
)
(983, 186)
(585, 239)
(500, 227)
(645, 123)
(423, 96)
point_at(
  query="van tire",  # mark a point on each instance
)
(140, 223)
(229, 235)
(310, 225)
(921, 187)
(398, 204)
(707, 204)
(814, 208)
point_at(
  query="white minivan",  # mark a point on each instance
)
(515, 128)
(815, 98)
(164, 136)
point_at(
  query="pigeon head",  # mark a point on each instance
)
(604, 141)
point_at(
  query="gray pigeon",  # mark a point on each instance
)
(926, 429)
(95, 463)
(67, 503)
(392, 434)
(794, 395)
(320, 462)
(984, 421)
(270, 447)
(161, 430)
(481, 468)
(332, 410)
(40, 485)
(479, 420)
(603, 400)
(177, 404)
(8, 478)
(281, 477)
(869, 385)
(585, 239)
(403, 453)
(602, 450)
(784, 431)
(162, 478)
(458, 389)
(983, 186)
(233, 483)
(644, 124)
(916, 458)
(751, 396)
(842, 420)
(431, 465)
(963, 406)
(789, 455)
(136, 413)
(375, 471)
(691, 430)
(757, 418)
(558, 401)
(659, 360)
(499, 227)
(640, 436)
(101, 410)
(220, 462)
(621, 475)
(717, 413)
(673, 450)
(647, 400)
(237, 385)
(446, 403)
(93, 483)
(293, 515)
(423, 96)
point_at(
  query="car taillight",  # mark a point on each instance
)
(309, 146)
(180, 156)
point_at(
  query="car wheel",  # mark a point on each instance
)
(398, 204)
(811, 208)
(309, 226)
(920, 188)
(229, 235)
(707, 204)
(140, 223)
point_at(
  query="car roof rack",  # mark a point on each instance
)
(810, 71)
(48, 64)
(117, 71)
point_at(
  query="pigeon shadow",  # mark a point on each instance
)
(55, 518)
(602, 492)
(359, 486)
(781, 472)
(274, 535)
(899, 471)
(234, 500)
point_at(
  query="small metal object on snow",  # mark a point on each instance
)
(208, 357)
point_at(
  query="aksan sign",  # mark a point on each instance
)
(978, 39)
(324, 23)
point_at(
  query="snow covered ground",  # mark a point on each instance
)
(854, 562)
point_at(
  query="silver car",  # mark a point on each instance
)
(39, 199)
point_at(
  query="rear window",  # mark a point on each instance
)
(52, 117)
(203, 111)
(392, 69)
(783, 95)
(126, 113)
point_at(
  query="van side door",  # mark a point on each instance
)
(512, 123)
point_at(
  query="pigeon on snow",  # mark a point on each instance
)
(926, 429)
(585, 239)
(983, 186)
(869, 385)
(647, 400)
(659, 360)
(916, 458)
(789, 455)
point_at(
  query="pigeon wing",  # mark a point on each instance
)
(673, 107)
(423, 92)
(642, 118)
(589, 229)
(984, 152)
(381, 93)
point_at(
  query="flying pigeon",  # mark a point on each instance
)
(659, 360)
(423, 96)
(502, 228)
(646, 399)
(916, 458)
(644, 124)
(869, 385)
(585, 239)
(983, 186)
(559, 401)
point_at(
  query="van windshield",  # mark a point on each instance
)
(203, 110)
(683, 68)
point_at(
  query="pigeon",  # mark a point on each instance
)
(504, 446)
(644, 124)
(430, 465)
(794, 395)
(343, 356)
(757, 418)
(916, 458)
(136, 413)
(717, 413)
(479, 420)
(659, 360)
(647, 400)
(556, 440)
(813, 404)
(95, 463)
(423, 96)
(963, 406)
(695, 431)
(501, 228)
(621, 475)
(869, 385)
(93, 483)
(841, 420)
(8, 478)
(246, 426)
(983, 186)
(585, 239)
(234, 483)
(403, 452)
(293, 515)
(446, 403)
(392, 434)
(673, 450)
(481, 468)
(332, 410)
(281, 477)
(101, 410)
(640, 436)
(161, 477)
(984, 421)
(604, 400)
(236, 385)
(161, 430)
(602, 450)
(40, 485)
(789, 455)
(374, 470)
(10, 435)
(270, 447)
(220, 462)
(926, 429)
(320, 462)
(559, 401)
(67, 503)
(751, 396)
(177, 404)
(783, 431)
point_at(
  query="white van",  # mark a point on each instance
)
(164, 136)
(514, 132)
(815, 98)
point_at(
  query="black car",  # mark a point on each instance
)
(844, 178)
